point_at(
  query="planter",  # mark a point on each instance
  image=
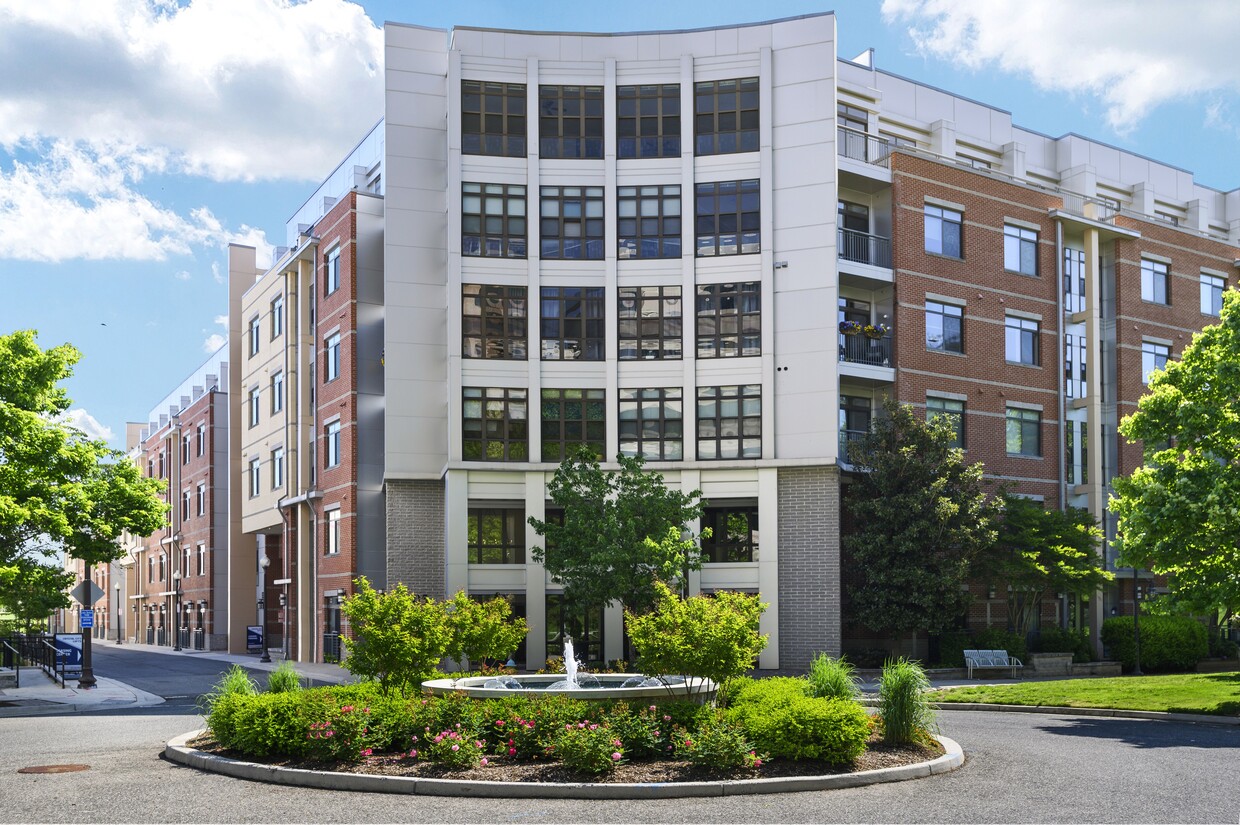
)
(1097, 669)
(1050, 664)
(1217, 665)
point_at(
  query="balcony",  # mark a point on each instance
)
(863, 248)
(862, 349)
(848, 437)
(859, 146)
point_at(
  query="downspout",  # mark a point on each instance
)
(1063, 405)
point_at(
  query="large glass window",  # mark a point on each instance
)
(729, 320)
(729, 422)
(255, 325)
(332, 544)
(277, 392)
(254, 410)
(950, 410)
(728, 220)
(734, 534)
(650, 322)
(1020, 250)
(202, 439)
(493, 220)
(493, 119)
(1212, 287)
(493, 321)
(1021, 340)
(202, 498)
(277, 468)
(648, 121)
(1154, 356)
(277, 316)
(1073, 280)
(652, 423)
(944, 327)
(496, 535)
(496, 424)
(648, 221)
(943, 235)
(1074, 349)
(331, 277)
(726, 116)
(1024, 432)
(572, 323)
(256, 480)
(584, 627)
(571, 222)
(570, 121)
(331, 437)
(331, 357)
(571, 418)
(854, 421)
(1155, 278)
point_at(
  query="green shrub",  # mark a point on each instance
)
(451, 748)
(1167, 642)
(481, 631)
(774, 689)
(1059, 640)
(868, 657)
(343, 734)
(271, 724)
(399, 639)
(235, 680)
(1221, 648)
(832, 678)
(902, 703)
(801, 727)
(952, 646)
(717, 743)
(588, 747)
(283, 679)
(997, 638)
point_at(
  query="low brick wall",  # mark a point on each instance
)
(1097, 669)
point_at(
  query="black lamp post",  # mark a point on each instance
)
(263, 563)
(176, 610)
(119, 631)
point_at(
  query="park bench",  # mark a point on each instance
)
(996, 659)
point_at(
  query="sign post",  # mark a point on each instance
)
(86, 594)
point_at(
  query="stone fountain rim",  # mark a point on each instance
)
(694, 686)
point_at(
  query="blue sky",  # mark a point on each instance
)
(138, 137)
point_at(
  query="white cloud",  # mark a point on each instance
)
(183, 275)
(1132, 57)
(213, 342)
(87, 423)
(222, 320)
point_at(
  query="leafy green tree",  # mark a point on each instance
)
(482, 630)
(1042, 551)
(32, 591)
(599, 552)
(1178, 514)
(398, 640)
(713, 637)
(59, 489)
(922, 518)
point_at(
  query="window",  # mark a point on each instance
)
(202, 560)
(943, 231)
(332, 544)
(1021, 341)
(734, 534)
(728, 218)
(1073, 280)
(852, 117)
(650, 323)
(150, 568)
(652, 423)
(331, 281)
(255, 478)
(331, 360)
(277, 316)
(277, 468)
(572, 323)
(726, 116)
(493, 220)
(729, 320)
(202, 439)
(729, 422)
(584, 626)
(570, 418)
(277, 392)
(1074, 349)
(1024, 432)
(950, 410)
(1153, 357)
(648, 221)
(496, 424)
(332, 438)
(163, 567)
(202, 498)
(254, 411)
(185, 563)
(493, 322)
(1154, 278)
(1073, 466)
(1212, 288)
(944, 327)
(493, 119)
(571, 222)
(254, 336)
(186, 498)
(648, 121)
(854, 421)
(570, 121)
(1020, 250)
(496, 535)
(185, 449)
(162, 470)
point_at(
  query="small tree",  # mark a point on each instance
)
(398, 639)
(599, 552)
(32, 591)
(482, 630)
(712, 637)
(923, 518)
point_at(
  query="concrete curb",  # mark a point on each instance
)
(178, 751)
(1118, 714)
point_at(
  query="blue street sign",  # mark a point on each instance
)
(87, 619)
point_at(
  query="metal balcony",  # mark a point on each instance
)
(857, 145)
(861, 349)
(863, 248)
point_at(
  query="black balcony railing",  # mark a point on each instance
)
(863, 248)
(848, 437)
(861, 349)
(857, 145)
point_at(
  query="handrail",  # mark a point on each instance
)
(17, 661)
(53, 662)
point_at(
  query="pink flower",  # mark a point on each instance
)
(483, 763)
(456, 747)
(478, 743)
(499, 722)
(512, 751)
(616, 742)
(509, 741)
(414, 753)
(652, 707)
(615, 757)
(594, 727)
(666, 718)
(367, 752)
(757, 763)
(415, 738)
(568, 727)
(581, 725)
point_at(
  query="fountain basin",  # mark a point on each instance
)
(609, 687)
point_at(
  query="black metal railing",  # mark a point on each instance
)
(863, 248)
(857, 145)
(861, 349)
(848, 437)
(11, 658)
(331, 647)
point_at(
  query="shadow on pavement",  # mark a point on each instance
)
(1152, 733)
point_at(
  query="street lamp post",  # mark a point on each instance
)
(119, 631)
(263, 563)
(176, 610)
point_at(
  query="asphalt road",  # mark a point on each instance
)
(179, 679)
(1020, 768)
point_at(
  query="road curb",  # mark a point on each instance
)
(177, 750)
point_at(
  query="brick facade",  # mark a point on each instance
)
(809, 564)
(415, 530)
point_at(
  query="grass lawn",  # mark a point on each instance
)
(1213, 693)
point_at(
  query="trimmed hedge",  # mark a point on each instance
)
(1059, 640)
(1167, 642)
(782, 719)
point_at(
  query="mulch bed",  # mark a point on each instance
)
(502, 769)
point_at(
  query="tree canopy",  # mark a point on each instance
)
(1179, 513)
(614, 542)
(921, 518)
